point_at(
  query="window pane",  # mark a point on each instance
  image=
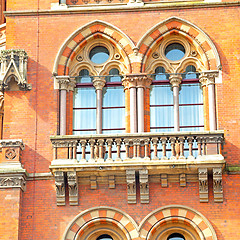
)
(84, 77)
(114, 76)
(113, 96)
(84, 97)
(175, 51)
(191, 93)
(160, 74)
(99, 54)
(161, 95)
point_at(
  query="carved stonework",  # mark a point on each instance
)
(144, 186)
(11, 143)
(217, 185)
(136, 80)
(60, 187)
(131, 186)
(1, 104)
(10, 154)
(207, 78)
(72, 188)
(13, 181)
(111, 181)
(99, 83)
(164, 182)
(175, 80)
(93, 182)
(64, 83)
(182, 180)
(14, 69)
(203, 184)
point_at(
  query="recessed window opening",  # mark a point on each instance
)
(176, 236)
(174, 51)
(99, 54)
(104, 237)
(190, 73)
(160, 74)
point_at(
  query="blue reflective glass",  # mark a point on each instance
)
(99, 55)
(113, 76)
(105, 237)
(190, 72)
(174, 51)
(84, 97)
(160, 74)
(84, 76)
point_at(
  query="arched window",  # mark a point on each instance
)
(104, 237)
(176, 236)
(84, 105)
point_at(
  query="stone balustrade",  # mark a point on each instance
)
(145, 147)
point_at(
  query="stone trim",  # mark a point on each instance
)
(131, 186)
(136, 81)
(72, 188)
(64, 83)
(60, 187)
(144, 186)
(13, 181)
(10, 143)
(217, 185)
(208, 77)
(203, 184)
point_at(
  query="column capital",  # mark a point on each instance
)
(175, 80)
(140, 80)
(64, 83)
(208, 77)
(99, 83)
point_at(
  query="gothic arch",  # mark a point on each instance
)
(80, 37)
(176, 214)
(124, 225)
(191, 32)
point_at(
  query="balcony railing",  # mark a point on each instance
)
(132, 148)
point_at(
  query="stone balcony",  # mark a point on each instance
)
(147, 157)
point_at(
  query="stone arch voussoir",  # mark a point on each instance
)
(81, 36)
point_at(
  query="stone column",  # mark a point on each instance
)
(99, 83)
(137, 84)
(208, 79)
(64, 84)
(175, 80)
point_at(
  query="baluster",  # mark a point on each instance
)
(181, 140)
(164, 148)
(118, 142)
(204, 143)
(101, 150)
(109, 145)
(54, 152)
(69, 150)
(173, 140)
(134, 148)
(83, 146)
(190, 145)
(199, 144)
(74, 150)
(92, 143)
(138, 148)
(146, 152)
(126, 142)
(155, 143)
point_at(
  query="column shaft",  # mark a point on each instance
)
(140, 108)
(63, 109)
(176, 108)
(133, 110)
(212, 107)
(99, 111)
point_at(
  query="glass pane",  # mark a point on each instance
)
(84, 77)
(84, 119)
(84, 97)
(176, 236)
(161, 95)
(190, 72)
(160, 74)
(175, 51)
(99, 54)
(105, 237)
(113, 97)
(190, 93)
(114, 76)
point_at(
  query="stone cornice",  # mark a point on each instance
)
(5, 143)
(121, 8)
(64, 83)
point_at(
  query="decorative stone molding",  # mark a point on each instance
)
(93, 182)
(1, 104)
(175, 80)
(64, 83)
(208, 78)
(111, 181)
(99, 83)
(12, 143)
(144, 186)
(136, 80)
(164, 180)
(13, 181)
(60, 187)
(72, 188)
(182, 180)
(203, 184)
(217, 185)
(131, 186)
(14, 69)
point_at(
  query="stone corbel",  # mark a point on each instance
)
(72, 188)
(13, 181)
(60, 188)
(182, 180)
(208, 77)
(203, 184)
(64, 83)
(131, 186)
(14, 69)
(144, 186)
(217, 185)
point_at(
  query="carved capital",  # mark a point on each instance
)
(217, 185)
(72, 188)
(131, 186)
(175, 80)
(207, 78)
(99, 83)
(64, 83)
(60, 187)
(13, 181)
(136, 80)
(144, 186)
(203, 184)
